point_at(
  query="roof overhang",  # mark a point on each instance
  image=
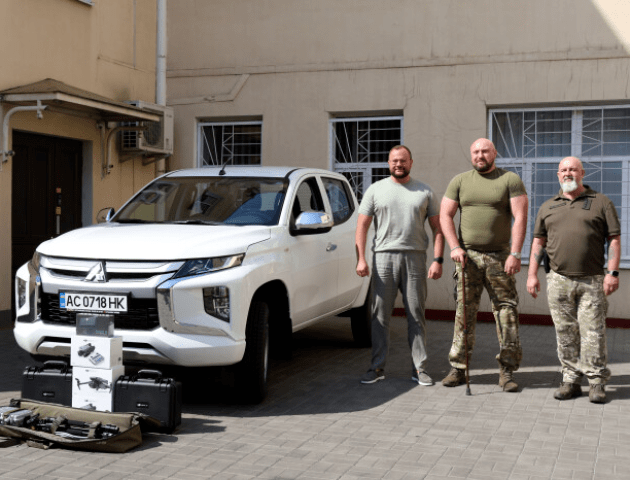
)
(62, 98)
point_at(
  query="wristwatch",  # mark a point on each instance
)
(439, 260)
(516, 255)
(614, 273)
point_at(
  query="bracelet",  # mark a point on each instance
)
(456, 248)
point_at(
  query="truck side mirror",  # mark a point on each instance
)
(104, 215)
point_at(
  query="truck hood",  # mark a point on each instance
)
(114, 241)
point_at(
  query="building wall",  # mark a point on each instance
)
(441, 64)
(107, 48)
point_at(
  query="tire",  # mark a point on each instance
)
(361, 323)
(253, 370)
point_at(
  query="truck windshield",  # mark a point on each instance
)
(207, 201)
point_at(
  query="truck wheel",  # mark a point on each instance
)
(361, 323)
(252, 371)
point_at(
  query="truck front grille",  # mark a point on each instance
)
(142, 313)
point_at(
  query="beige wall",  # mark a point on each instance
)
(440, 63)
(108, 49)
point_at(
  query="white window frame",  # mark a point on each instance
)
(360, 165)
(526, 163)
(201, 140)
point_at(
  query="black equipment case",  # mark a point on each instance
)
(148, 392)
(50, 383)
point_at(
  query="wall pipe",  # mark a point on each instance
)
(5, 127)
(160, 70)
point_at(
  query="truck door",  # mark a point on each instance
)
(314, 259)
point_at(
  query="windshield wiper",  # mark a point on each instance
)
(195, 222)
(132, 220)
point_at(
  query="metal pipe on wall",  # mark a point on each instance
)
(160, 70)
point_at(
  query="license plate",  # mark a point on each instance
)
(92, 302)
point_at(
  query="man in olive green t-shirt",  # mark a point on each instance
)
(487, 198)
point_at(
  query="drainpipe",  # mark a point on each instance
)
(160, 70)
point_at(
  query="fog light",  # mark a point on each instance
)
(21, 292)
(216, 301)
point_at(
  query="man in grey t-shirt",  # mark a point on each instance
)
(400, 205)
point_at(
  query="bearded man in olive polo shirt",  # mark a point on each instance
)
(488, 198)
(574, 226)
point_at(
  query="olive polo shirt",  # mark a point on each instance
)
(576, 232)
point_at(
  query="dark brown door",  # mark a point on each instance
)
(46, 200)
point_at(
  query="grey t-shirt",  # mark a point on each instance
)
(399, 212)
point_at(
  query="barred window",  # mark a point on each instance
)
(360, 148)
(531, 142)
(236, 143)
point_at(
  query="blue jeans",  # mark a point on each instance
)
(393, 271)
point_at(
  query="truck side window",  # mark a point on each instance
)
(307, 199)
(342, 208)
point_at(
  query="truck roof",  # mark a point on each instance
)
(245, 171)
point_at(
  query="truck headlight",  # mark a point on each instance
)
(216, 302)
(35, 261)
(207, 265)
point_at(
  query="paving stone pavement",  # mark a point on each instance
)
(320, 423)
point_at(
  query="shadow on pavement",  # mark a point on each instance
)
(323, 375)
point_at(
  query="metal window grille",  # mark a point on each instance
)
(532, 142)
(360, 148)
(238, 143)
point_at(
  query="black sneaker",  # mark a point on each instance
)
(373, 376)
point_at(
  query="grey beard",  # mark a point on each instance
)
(569, 186)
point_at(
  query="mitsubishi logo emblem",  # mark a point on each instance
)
(96, 273)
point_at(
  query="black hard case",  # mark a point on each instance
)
(50, 383)
(150, 393)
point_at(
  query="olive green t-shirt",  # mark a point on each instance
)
(576, 232)
(485, 211)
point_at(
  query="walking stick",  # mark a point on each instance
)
(463, 300)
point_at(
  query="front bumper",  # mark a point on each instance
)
(155, 347)
(186, 334)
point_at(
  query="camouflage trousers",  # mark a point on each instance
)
(578, 307)
(485, 269)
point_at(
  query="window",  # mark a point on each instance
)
(531, 142)
(207, 201)
(340, 203)
(238, 143)
(307, 199)
(360, 147)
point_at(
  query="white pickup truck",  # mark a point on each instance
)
(203, 267)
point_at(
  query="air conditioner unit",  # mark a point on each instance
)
(157, 139)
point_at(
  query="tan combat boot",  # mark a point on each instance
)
(506, 381)
(567, 391)
(455, 377)
(597, 394)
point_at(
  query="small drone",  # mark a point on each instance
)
(96, 383)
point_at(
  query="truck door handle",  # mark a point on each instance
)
(330, 247)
